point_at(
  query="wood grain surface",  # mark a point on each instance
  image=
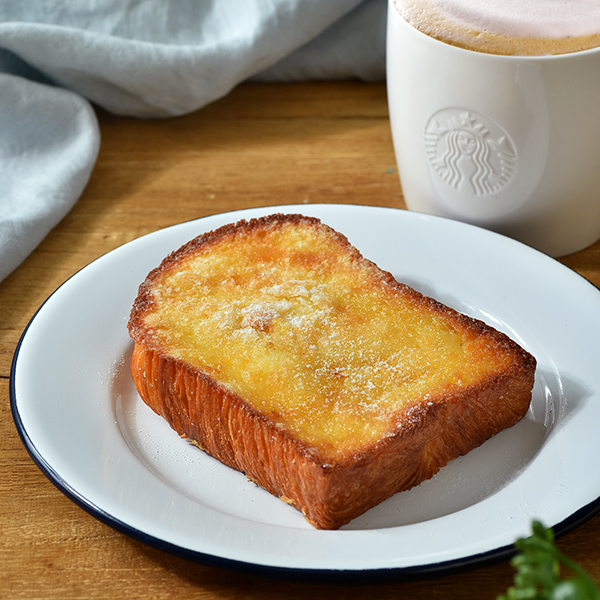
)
(263, 144)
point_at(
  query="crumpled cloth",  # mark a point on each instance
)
(148, 59)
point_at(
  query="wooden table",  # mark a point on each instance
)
(261, 145)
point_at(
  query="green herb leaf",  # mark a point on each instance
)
(538, 575)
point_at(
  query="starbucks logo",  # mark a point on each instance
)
(469, 152)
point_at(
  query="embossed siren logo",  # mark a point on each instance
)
(469, 152)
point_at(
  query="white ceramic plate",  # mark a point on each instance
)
(82, 421)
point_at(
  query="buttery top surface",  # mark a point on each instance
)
(311, 336)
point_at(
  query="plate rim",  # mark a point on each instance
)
(383, 574)
(433, 569)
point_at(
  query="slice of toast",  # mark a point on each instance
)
(278, 349)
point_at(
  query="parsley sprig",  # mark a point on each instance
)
(538, 575)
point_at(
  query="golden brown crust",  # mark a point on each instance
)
(329, 495)
(329, 490)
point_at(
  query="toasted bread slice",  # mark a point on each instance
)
(278, 349)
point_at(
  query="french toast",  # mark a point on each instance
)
(278, 349)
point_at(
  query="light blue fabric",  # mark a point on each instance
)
(145, 58)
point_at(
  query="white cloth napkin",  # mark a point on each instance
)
(145, 58)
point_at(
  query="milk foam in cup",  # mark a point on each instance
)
(495, 115)
(512, 27)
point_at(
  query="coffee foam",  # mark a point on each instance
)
(515, 27)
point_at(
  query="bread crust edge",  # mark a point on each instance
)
(330, 493)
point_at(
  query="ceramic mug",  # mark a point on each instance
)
(509, 143)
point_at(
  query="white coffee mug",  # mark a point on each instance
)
(509, 143)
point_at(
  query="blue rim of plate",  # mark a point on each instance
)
(334, 576)
(453, 567)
